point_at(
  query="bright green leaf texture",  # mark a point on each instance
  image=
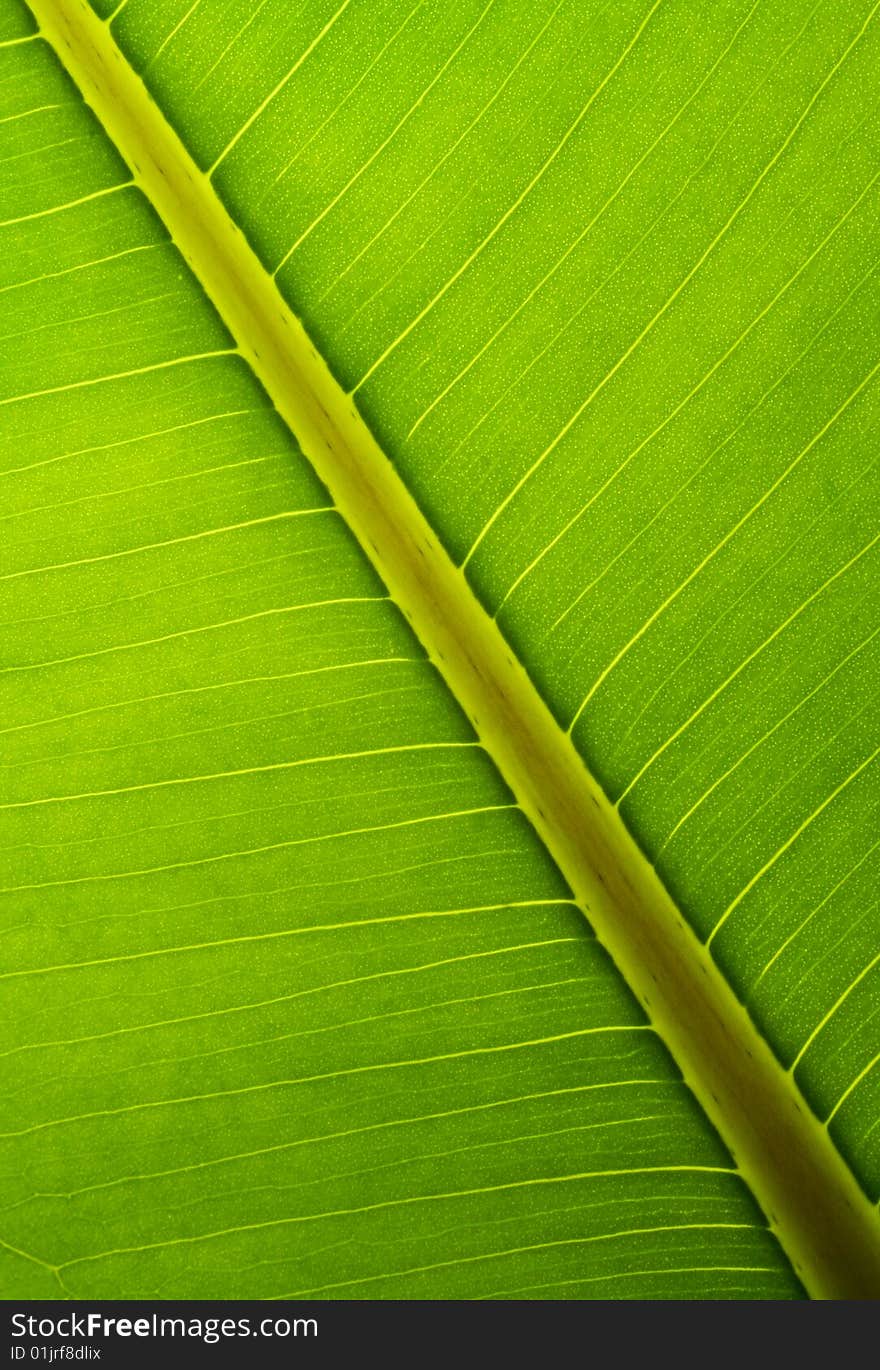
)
(294, 999)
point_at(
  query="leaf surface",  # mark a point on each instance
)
(298, 1000)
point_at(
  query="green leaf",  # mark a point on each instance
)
(300, 995)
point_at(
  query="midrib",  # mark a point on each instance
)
(823, 1219)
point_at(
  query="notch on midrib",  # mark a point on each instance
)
(821, 1216)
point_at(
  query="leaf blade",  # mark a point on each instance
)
(153, 1123)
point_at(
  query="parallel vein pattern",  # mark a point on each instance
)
(294, 1000)
(603, 279)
